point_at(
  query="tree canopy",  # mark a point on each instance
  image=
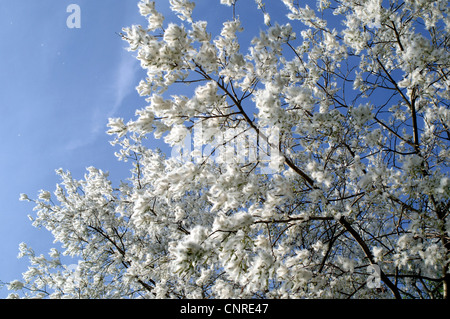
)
(311, 162)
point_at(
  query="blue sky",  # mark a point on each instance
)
(59, 86)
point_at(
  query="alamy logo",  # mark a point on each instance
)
(74, 19)
(235, 145)
(374, 280)
(75, 270)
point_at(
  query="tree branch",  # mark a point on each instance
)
(369, 256)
